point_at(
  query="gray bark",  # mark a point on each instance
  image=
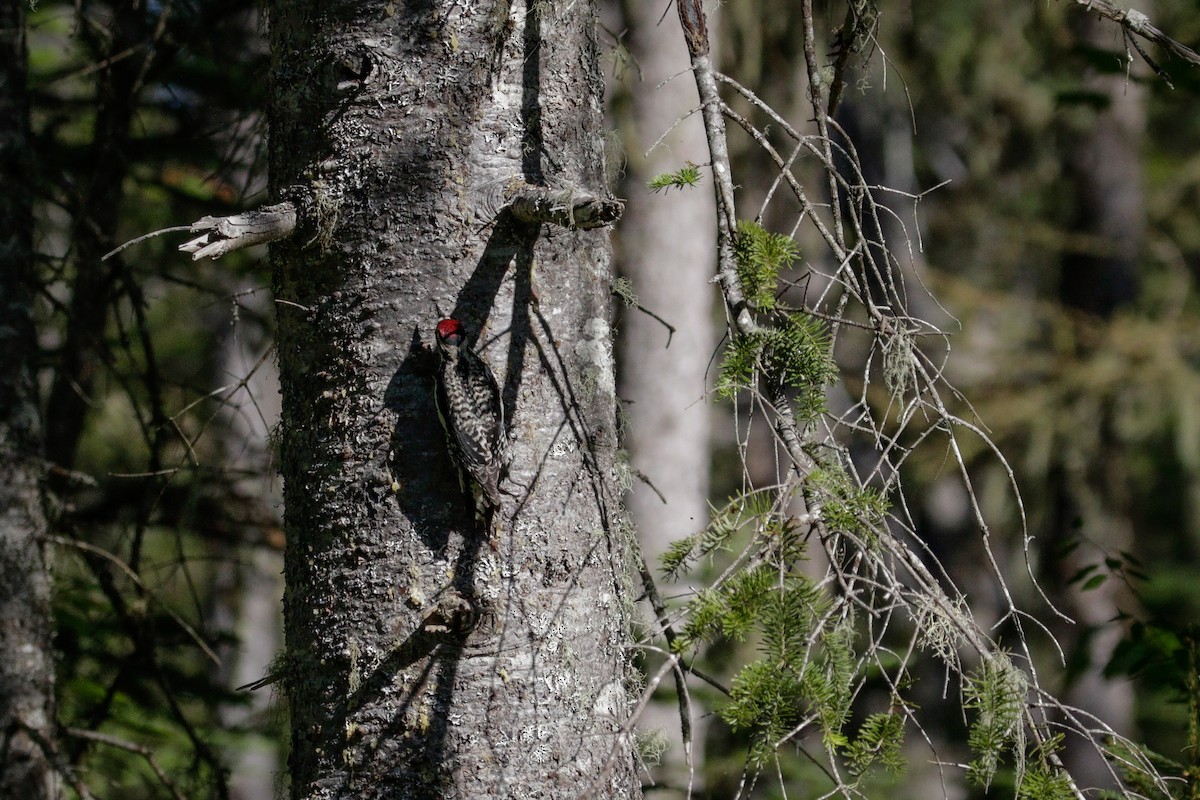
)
(26, 658)
(422, 660)
(250, 603)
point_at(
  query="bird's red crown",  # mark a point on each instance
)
(448, 328)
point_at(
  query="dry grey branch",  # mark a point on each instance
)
(1138, 24)
(238, 231)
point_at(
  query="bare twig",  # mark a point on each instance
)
(130, 747)
(143, 238)
(633, 303)
(1138, 24)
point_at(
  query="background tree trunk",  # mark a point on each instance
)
(423, 662)
(669, 253)
(1106, 169)
(1093, 498)
(26, 659)
(667, 248)
(248, 589)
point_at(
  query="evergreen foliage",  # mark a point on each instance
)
(761, 256)
(748, 509)
(1043, 783)
(686, 176)
(847, 507)
(1132, 759)
(794, 354)
(806, 666)
(1100, 413)
(996, 693)
(804, 675)
(879, 741)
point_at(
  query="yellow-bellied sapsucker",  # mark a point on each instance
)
(469, 405)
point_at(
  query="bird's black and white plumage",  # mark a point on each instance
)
(469, 405)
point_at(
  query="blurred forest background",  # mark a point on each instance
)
(1058, 226)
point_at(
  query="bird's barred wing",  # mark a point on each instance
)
(472, 414)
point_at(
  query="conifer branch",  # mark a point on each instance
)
(692, 18)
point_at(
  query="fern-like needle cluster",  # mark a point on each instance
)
(794, 354)
(761, 255)
(685, 177)
(996, 693)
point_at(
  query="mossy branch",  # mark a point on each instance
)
(568, 208)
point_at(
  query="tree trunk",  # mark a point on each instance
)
(246, 600)
(427, 657)
(26, 659)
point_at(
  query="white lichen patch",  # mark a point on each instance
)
(562, 447)
(355, 676)
(594, 351)
(610, 701)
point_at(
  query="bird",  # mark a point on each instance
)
(471, 412)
